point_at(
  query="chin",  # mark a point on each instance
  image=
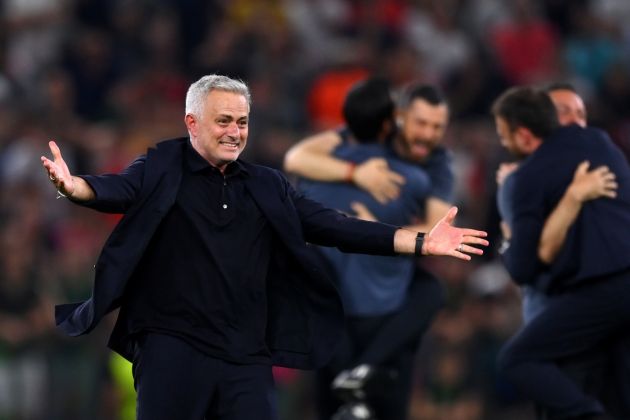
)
(231, 157)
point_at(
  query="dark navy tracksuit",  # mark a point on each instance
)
(589, 282)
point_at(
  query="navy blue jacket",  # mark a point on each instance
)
(305, 316)
(598, 243)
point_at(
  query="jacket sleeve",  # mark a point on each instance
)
(115, 193)
(521, 257)
(329, 227)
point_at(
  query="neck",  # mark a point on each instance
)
(221, 166)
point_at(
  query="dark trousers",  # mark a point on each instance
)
(573, 324)
(388, 341)
(615, 390)
(174, 381)
(603, 372)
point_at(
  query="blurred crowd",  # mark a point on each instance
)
(107, 78)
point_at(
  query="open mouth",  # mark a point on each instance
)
(420, 149)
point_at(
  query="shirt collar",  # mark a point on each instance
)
(197, 163)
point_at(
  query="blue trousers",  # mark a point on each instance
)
(174, 381)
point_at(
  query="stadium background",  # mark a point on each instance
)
(107, 78)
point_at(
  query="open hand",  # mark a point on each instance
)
(58, 171)
(446, 239)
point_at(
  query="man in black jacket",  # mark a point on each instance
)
(211, 269)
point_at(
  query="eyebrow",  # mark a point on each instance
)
(231, 117)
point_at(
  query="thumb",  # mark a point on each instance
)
(582, 167)
(449, 218)
(55, 150)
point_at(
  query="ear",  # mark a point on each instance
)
(191, 124)
(399, 116)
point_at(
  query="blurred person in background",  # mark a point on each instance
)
(422, 118)
(324, 158)
(571, 110)
(588, 370)
(192, 209)
(575, 318)
(386, 311)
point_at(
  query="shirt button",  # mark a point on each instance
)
(225, 206)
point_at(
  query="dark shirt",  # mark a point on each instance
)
(203, 276)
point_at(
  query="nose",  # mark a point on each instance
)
(426, 132)
(233, 130)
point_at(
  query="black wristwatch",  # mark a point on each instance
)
(419, 243)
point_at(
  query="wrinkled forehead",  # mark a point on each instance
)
(221, 101)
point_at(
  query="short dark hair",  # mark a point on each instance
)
(552, 87)
(429, 93)
(367, 107)
(527, 107)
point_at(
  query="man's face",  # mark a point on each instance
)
(570, 107)
(510, 139)
(220, 133)
(423, 127)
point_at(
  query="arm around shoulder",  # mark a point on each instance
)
(311, 158)
(586, 185)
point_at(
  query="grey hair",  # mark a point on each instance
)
(197, 92)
